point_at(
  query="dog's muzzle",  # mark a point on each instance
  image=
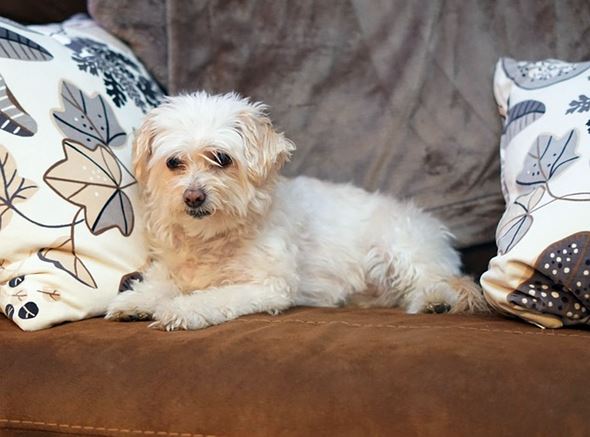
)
(198, 213)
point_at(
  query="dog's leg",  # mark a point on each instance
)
(418, 282)
(217, 305)
(141, 301)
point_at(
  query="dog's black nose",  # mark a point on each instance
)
(194, 198)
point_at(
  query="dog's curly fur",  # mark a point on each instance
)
(262, 243)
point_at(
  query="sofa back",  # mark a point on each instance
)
(389, 94)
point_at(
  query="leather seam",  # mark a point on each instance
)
(102, 428)
(545, 332)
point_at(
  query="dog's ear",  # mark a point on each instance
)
(266, 150)
(142, 147)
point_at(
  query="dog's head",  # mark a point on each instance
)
(205, 162)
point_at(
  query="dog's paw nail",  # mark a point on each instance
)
(438, 308)
(157, 325)
(174, 324)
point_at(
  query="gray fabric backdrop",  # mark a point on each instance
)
(392, 95)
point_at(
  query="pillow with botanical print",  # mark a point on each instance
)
(542, 270)
(70, 237)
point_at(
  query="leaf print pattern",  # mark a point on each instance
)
(580, 105)
(94, 180)
(121, 76)
(18, 25)
(517, 220)
(547, 157)
(89, 175)
(29, 310)
(13, 118)
(560, 283)
(62, 254)
(127, 280)
(534, 75)
(9, 311)
(20, 295)
(520, 116)
(14, 189)
(88, 120)
(51, 295)
(16, 46)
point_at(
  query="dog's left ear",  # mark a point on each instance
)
(266, 150)
(142, 147)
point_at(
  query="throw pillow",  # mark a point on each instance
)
(542, 270)
(70, 237)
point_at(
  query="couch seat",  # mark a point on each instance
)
(320, 372)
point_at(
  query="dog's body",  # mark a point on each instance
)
(230, 237)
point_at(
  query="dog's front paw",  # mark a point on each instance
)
(171, 317)
(453, 295)
(129, 306)
(436, 299)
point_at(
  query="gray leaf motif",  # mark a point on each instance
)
(580, 105)
(16, 46)
(520, 116)
(540, 74)
(62, 255)
(517, 220)
(19, 26)
(94, 180)
(89, 121)
(547, 157)
(13, 118)
(13, 188)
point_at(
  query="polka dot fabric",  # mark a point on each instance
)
(560, 284)
(542, 271)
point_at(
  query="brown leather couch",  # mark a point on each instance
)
(393, 95)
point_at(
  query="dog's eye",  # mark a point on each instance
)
(223, 159)
(173, 163)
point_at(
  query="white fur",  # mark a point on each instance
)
(271, 243)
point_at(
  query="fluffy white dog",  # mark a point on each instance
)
(229, 236)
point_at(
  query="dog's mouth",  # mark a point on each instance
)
(198, 213)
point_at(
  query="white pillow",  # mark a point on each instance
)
(70, 97)
(542, 271)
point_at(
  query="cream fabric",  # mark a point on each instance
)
(70, 237)
(542, 271)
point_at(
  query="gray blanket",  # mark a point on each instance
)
(393, 95)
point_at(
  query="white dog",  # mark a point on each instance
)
(230, 237)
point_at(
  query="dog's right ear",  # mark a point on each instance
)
(267, 149)
(142, 147)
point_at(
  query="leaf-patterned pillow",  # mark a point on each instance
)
(542, 270)
(70, 235)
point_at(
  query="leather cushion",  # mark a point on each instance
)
(306, 372)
